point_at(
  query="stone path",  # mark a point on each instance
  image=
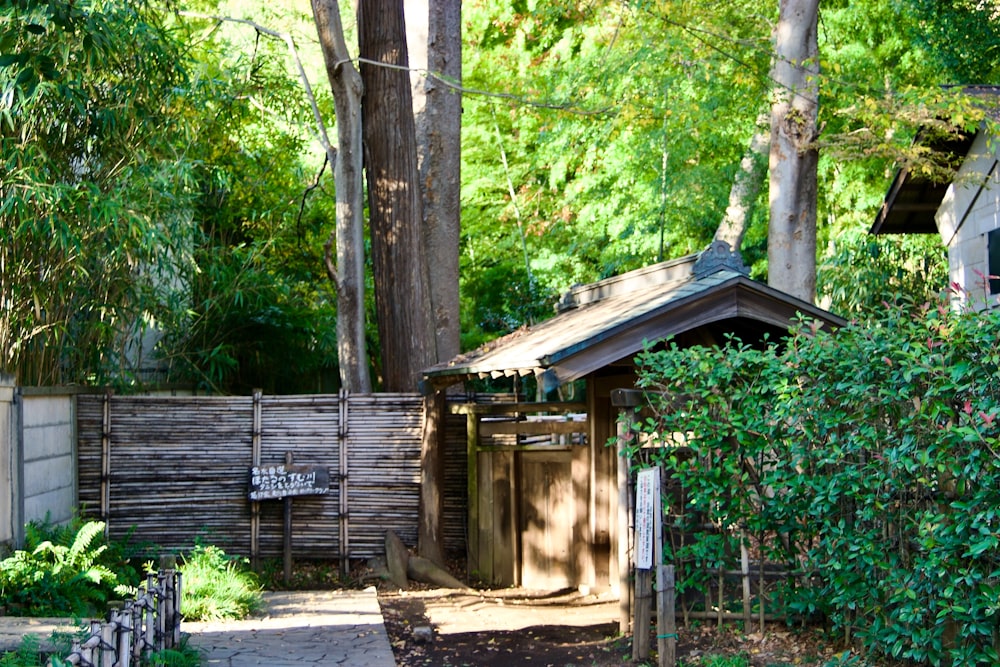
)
(300, 628)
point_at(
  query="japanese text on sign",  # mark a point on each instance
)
(647, 502)
(279, 481)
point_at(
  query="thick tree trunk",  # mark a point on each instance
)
(434, 40)
(349, 272)
(746, 187)
(401, 296)
(791, 239)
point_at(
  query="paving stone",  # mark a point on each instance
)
(300, 628)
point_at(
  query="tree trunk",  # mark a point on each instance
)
(434, 40)
(401, 296)
(746, 187)
(349, 272)
(791, 239)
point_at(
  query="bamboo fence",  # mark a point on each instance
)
(149, 622)
(169, 471)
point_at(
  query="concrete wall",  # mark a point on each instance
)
(971, 209)
(38, 477)
(48, 424)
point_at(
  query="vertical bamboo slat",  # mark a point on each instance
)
(345, 548)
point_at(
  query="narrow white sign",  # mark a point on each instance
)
(647, 503)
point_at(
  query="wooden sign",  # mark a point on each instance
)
(647, 503)
(280, 481)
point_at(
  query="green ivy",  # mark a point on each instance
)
(867, 460)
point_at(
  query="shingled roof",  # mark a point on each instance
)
(611, 320)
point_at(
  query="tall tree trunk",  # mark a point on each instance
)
(746, 187)
(791, 238)
(434, 40)
(348, 274)
(401, 296)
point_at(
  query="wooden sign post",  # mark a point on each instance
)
(286, 481)
(647, 514)
(649, 555)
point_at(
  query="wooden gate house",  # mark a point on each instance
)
(542, 484)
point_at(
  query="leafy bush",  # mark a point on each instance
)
(868, 459)
(216, 586)
(64, 571)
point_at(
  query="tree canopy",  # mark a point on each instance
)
(179, 200)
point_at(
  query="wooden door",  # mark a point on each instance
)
(547, 519)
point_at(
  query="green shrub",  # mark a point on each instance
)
(868, 459)
(216, 586)
(63, 571)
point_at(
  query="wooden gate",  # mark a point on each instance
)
(528, 492)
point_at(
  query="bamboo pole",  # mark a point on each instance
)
(106, 462)
(343, 407)
(287, 551)
(255, 463)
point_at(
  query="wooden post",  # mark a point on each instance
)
(643, 613)
(431, 532)
(745, 574)
(648, 509)
(624, 562)
(666, 624)
(344, 506)
(255, 462)
(472, 487)
(667, 629)
(168, 564)
(287, 551)
(106, 462)
(178, 591)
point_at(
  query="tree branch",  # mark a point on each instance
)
(323, 136)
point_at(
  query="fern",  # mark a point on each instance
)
(64, 572)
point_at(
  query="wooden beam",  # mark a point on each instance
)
(511, 408)
(531, 427)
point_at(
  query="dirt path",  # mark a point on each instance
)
(509, 627)
(517, 627)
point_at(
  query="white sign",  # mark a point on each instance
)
(647, 503)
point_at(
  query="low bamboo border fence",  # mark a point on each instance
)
(149, 622)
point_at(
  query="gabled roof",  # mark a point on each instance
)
(913, 199)
(611, 320)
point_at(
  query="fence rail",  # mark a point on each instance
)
(149, 622)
